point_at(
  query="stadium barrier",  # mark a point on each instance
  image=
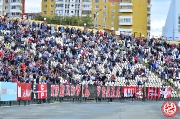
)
(23, 93)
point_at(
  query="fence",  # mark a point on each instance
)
(24, 93)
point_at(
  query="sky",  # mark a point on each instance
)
(159, 11)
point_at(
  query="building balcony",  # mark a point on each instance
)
(149, 12)
(148, 27)
(83, 15)
(16, 16)
(126, 3)
(15, 3)
(59, 2)
(125, 20)
(125, 10)
(125, 23)
(16, 10)
(149, 5)
(125, 31)
(86, 8)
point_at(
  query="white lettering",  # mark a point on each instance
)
(11, 92)
(19, 91)
(42, 95)
(42, 87)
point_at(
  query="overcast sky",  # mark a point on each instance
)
(159, 13)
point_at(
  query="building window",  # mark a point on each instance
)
(96, 1)
(71, 11)
(52, 6)
(125, 20)
(104, 19)
(97, 13)
(105, 1)
(45, 0)
(179, 19)
(113, 4)
(126, 7)
(95, 19)
(104, 25)
(13, 7)
(112, 10)
(52, 0)
(104, 13)
(96, 25)
(51, 12)
(112, 23)
(112, 16)
(45, 6)
(6, 1)
(112, 28)
(11, 0)
(59, 5)
(104, 7)
(6, 7)
(45, 12)
(96, 7)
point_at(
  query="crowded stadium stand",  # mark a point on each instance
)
(39, 53)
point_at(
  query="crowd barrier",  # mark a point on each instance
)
(19, 92)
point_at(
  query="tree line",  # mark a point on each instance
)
(68, 20)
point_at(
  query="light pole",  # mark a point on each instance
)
(84, 26)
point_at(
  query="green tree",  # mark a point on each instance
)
(68, 20)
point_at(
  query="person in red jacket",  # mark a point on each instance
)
(136, 59)
(23, 66)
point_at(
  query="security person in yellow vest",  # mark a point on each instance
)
(171, 81)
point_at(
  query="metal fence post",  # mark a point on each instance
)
(19, 102)
(60, 100)
(10, 103)
(24, 102)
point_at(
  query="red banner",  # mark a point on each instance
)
(24, 91)
(166, 92)
(42, 91)
(139, 92)
(153, 93)
(129, 91)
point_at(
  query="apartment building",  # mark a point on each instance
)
(134, 17)
(66, 7)
(171, 29)
(105, 14)
(127, 16)
(12, 8)
(48, 7)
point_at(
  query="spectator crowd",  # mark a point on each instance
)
(40, 53)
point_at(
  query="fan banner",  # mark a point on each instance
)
(139, 92)
(166, 92)
(129, 91)
(153, 93)
(108, 91)
(24, 91)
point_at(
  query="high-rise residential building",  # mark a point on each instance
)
(66, 7)
(48, 7)
(127, 16)
(11, 8)
(105, 14)
(134, 17)
(171, 29)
